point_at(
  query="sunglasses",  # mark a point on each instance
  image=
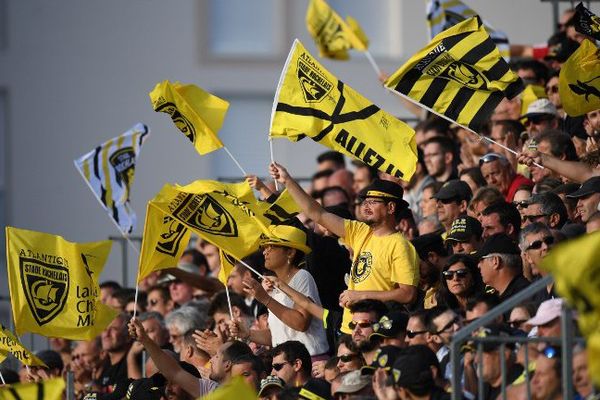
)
(361, 324)
(413, 334)
(552, 89)
(278, 366)
(535, 245)
(460, 274)
(521, 204)
(536, 120)
(448, 325)
(347, 357)
(532, 218)
(489, 158)
(516, 324)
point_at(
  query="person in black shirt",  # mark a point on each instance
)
(116, 343)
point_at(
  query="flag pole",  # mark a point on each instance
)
(229, 302)
(273, 160)
(481, 137)
(261, 276)
(137, 289)
(234, 160)
(2, 378)
(373, 63)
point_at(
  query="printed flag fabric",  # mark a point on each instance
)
(51, 389)
(163, 243)
(579, 80)
(312, 102)
(586, 22)
(443, 14)
(54, 285)
(460, 75)
(227, 265)
(10, 344)
(332, 35)
(576, 272)
(237, 389)
(196, 113)
(109, 171)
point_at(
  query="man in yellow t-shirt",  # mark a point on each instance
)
(385, 265)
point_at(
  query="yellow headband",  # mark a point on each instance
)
(376, 193)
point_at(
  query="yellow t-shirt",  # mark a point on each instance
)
(379, 263)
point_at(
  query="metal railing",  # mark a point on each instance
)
(464, 335)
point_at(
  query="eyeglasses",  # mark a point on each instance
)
(536, 120)
(535, 245)
(521, 204)
(490, 157)
(550, 352)
(552, 89)
(153, 302)
(278, 366)
(361, 324)
(448, 325)
(372, 202)
(532, 218)
(413, 334)
(516, 324)
(460, 274)
(347, 357)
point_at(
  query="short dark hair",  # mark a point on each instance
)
(326, 173)
(255, 361)
(123, 296)
(369, 305)
(236, 350)
(539, 69)
(432, 314)
(163, 290)
(294, 350)
(433, 123)
(560, 144)
(507, 214)
(373, 172)
(510, 126)
(335, 156)
(110, 285)
(446, 144)
(198, 258)
(491, 300)
(551, 203)
(475, 174)
(219, 303)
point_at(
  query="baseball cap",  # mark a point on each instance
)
(384, 358)
(499, 243)
(386, 190)
(429, 242)
(352, 382)
(269, 382)
(454, 189)
(463, 228)
(540, 107)
(412, 370)
(546, 312)
(152, 388)
(315, 389)
(390, 325)
(495, 330)
(51, 358)
(588, 187)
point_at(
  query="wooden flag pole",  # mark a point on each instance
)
(462, 126)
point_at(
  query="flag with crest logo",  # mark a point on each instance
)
(579, 80)
(10, 344)
(53, 285)
(459, 75)
(311, 102)
(109, 171)
(198, 114)
(333, 36)
(586, 22)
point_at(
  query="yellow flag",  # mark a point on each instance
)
(310, 101)
(54, 285)
(460, 74)
(163, 243)
(227, 265)
(531, 94)
(196, 113)
(10, 344)
(333, 36)
(579, 80)
(236, 389)
(51, 389)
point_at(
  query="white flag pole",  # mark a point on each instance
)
(373, 63)
(273, 160)
(229, 302)
(234, 160)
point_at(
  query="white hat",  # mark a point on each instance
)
(541, 107)
(548, 311)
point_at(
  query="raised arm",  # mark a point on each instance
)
(573, 170)
(309, 206)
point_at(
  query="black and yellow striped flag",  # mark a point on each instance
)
(460, 75)
(586, 22)
(50, 389)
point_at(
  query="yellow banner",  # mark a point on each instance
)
(54, 285)
(10, 344)
(163, 243)
(333, 36)
(51, 389)
(227, 265)
(196, 113)
(579, 80)
(236, 389)
(310, 101)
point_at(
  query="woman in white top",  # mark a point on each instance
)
(284, 251)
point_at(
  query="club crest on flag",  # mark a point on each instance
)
(170, 239)
(123, 161)
(314, 84)
(204, 213)
(46, 287)
(180, 121)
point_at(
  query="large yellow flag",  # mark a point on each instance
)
(310, 101)
(196, 113)
(227, 265)
(10, 344)
(236, 389)
(51, 389)
(54, 285)
(460, 74)
(333, 36)
(579, 80)
(576, 272)
(163, 243)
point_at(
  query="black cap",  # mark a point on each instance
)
(315, 389)
(588, 187)
(271, 381)
(386, 190)
(429, 242)
(566, 188)
(384, 358)
(499, 243)
(152, 388)
(463, 228)
(412, 370)
(391, 324)
(454, 190)
(51, 358)
(496, 330)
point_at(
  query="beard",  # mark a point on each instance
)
(367, 344)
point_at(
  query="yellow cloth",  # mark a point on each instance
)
(197, 114)
(430, 301)
(54, 285)
(310, 101)
(332, 35)
(163, 243)
(10, 344)
(531, 94)
(51, 389)
(236, 388)
(379, 263)
(579, 80)
(459, 74)
(227, 265)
